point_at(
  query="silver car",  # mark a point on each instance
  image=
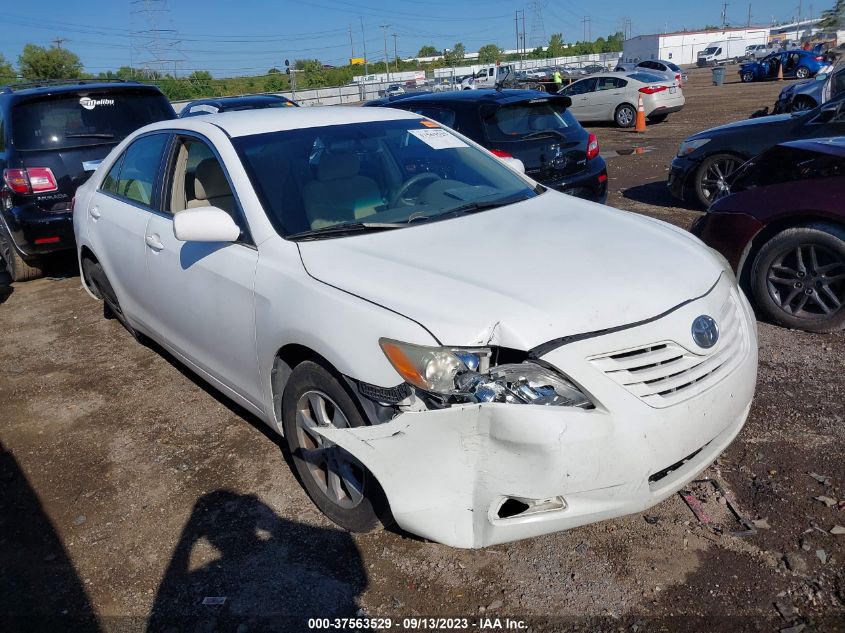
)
(662, 67)
(805, 95)
(614, 97)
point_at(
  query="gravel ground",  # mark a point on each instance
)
(129, 491)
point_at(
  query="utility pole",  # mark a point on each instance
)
(351, 44)
(524, 51)
(587, 30)
(749, 15)
(364, 44)
(395, 53)
(725, 15)
(798, 23)
(58, 41)
(384, 28)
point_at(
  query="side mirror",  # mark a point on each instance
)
(515, 164)
(205, 224)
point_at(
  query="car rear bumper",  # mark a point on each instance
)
(663, 110)
(36, 232)
(448, 472)
(590, 184)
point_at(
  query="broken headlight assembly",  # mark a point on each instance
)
(466, 375)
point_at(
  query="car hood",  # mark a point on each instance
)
(521, 275)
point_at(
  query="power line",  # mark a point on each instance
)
(384, 28)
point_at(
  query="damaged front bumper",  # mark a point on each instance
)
(455, 475)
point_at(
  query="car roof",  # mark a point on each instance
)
(488, 95)
(248, 122)
(222, 102)
(82, 87)
(834, 145)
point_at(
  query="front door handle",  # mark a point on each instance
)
(94, 212)
(154, 242)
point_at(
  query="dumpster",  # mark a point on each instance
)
(718, 75)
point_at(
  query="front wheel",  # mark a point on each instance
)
(625, 115)
(802, 73)
(798, 278)
(803, 104)
(338, 484)
(712, 176)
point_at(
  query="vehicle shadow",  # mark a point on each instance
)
(6, 288)
(40, 590)
(656, 194)
(239, 566)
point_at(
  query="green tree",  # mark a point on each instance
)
(556, 46)
(200, 83)
(274, 82)
(273, 71)
(489, 53)
(428, 51)
(834, 17)
(456, 55)
(7, 73)
(37, 62)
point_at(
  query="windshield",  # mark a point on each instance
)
(528, 118)
(710, 50)
(646, 78)
(74, 120)
(382, 174)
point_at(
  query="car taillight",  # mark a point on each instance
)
(30, 180)
(820, 58)
(592, 146)
(501, 153)
(650, 90)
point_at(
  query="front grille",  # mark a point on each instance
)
(665, 373)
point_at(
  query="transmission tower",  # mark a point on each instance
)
(538, 29)
(155, 44)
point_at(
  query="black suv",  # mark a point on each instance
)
(535, 127)
(52, 137)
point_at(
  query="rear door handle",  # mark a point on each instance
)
(154, 242)
(94, 212)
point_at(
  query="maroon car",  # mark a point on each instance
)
(782, 228)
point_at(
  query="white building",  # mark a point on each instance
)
(683, 47)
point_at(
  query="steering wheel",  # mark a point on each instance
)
(411, 182)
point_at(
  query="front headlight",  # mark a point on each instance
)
(465, 374)
(688, 147)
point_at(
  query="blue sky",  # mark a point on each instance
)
(249, 36)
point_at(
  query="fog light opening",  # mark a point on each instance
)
(516, 507)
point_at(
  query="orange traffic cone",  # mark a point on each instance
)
(780, 72)
(640, 125)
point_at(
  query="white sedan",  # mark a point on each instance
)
(442, 341)
(615, 97)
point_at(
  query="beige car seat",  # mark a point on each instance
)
(339, 193)
(211, 188)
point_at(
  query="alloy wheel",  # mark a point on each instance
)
(338, 475)
(714, 182)
(802, 105)
(808, 282)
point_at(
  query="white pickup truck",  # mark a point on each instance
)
(489, 76)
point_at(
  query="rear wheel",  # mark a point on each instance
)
(802, 72)
(99, 284)
(798, 278)
(338, 484)
(625, 115)
(711, 178)
(747, 76)
(19, 269)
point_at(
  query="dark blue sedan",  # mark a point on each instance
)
(798, 64)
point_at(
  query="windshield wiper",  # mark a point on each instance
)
(542, 133)
(90, 135)
(483, 205)
(345, 228)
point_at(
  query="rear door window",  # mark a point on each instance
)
(138, 171)
(513, 122)
(788, 164)
(75, 120)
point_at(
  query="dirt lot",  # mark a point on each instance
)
(129, 492)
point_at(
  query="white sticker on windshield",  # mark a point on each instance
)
(89, 104)
(438, 139)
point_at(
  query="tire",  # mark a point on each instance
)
(658, 118)
(314, 396)
(711, 176)
(102, 288)
(803, 104)
(802, 72)
(19, 269)
(802, 294)
(625, 116)
(747, 77)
